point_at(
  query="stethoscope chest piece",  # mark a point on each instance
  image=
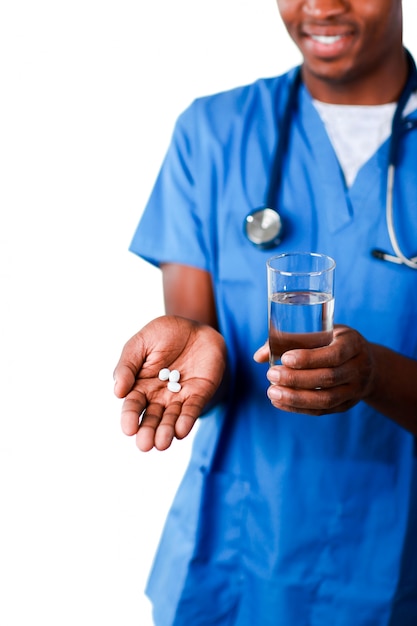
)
(263, 227)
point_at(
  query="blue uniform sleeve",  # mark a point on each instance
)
(172, 228)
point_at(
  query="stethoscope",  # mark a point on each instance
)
(264, 226)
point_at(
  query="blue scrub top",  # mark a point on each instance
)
(286, 519)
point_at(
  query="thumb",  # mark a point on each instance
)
(129, 365)
(124, 379)
(262, 353)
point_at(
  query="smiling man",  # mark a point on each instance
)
(299, 505)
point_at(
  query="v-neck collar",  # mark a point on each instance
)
(339, 201)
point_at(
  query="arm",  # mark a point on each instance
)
(334, 378)
(188, 292)
(394, 388)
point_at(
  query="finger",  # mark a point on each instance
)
(124, 379)
(262, 354)
(344, 346)
(132, 409)
(310, 402)
(191, 411)
(310, 379)
(165, 431)
(129, 365)
(145, 438)
(313, 358)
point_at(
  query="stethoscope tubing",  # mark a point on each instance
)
(273, 235)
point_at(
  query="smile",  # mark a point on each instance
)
(326, 39)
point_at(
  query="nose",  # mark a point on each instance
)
(323, 9)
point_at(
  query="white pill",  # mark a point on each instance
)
(174, 376)
(164, 374)
(174, 386)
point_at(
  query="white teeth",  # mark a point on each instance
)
(326, 39)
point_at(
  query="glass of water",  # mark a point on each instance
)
(300, 302)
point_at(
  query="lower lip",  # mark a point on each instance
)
(328, 50)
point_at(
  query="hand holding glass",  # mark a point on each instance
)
(300, 302)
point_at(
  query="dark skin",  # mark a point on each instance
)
(353, 54)
(196, 350)
(365, 64)
(184, 339)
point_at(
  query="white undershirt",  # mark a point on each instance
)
(357, 131)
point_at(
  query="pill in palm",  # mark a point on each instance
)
(174, 376)
(164, 374)
(174, 386)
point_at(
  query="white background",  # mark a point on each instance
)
(89, 94)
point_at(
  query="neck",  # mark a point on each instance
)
(376, 86)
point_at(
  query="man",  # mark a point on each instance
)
(301, 510)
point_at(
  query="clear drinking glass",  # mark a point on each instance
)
(300, 302)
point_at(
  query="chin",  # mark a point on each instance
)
(332, 73)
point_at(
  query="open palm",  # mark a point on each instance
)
(152, 412)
